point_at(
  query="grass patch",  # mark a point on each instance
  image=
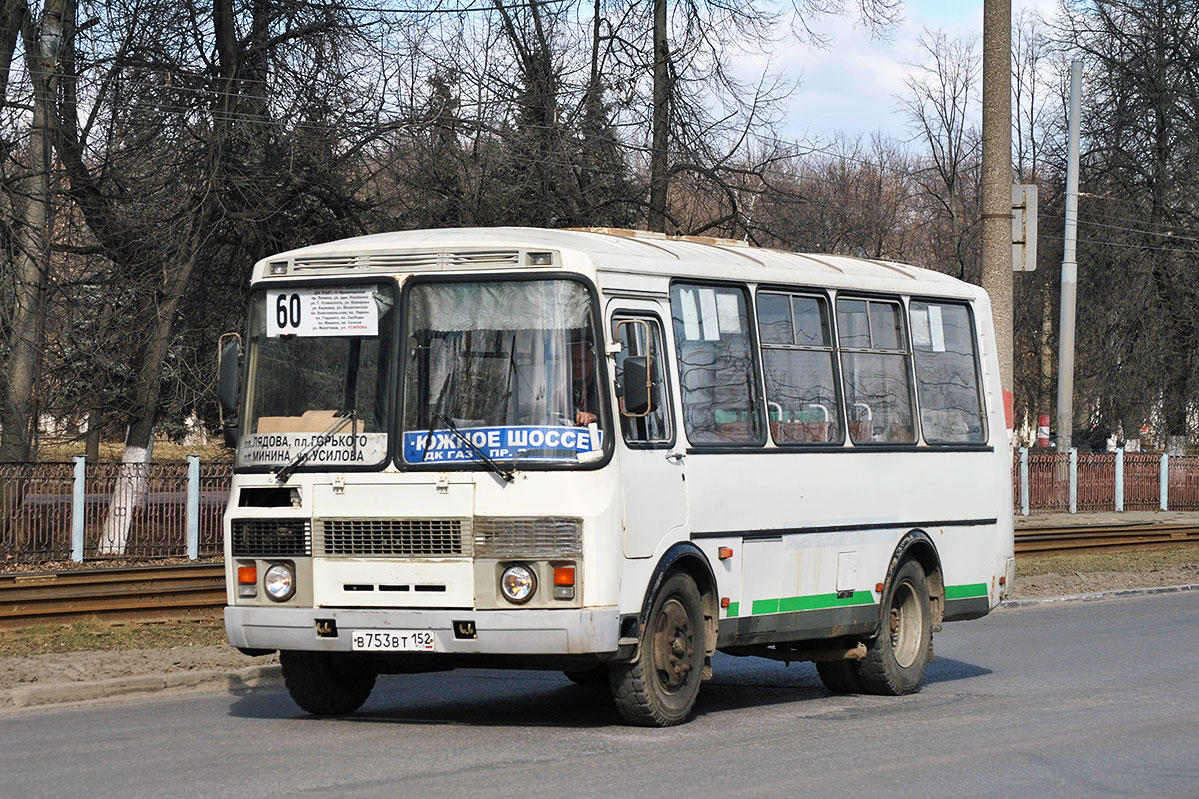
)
(1134, 560)
(94, 634)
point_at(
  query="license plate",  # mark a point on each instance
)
(392, 641)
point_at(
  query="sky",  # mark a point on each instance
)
(852, 86)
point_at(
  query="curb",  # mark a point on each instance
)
(209, 679)
(1118, 592)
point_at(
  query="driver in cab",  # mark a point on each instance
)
(584, 392)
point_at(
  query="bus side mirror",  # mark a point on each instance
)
(636, 400)
(636, 389)
(228, 390)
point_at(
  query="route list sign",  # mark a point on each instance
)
(336, 449)
(337, 311)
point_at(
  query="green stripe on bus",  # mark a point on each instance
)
(793, 604)
(965, 591)
(820, 601)
(761, 606)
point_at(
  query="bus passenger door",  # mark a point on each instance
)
(652, 469)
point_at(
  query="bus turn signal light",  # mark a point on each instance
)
(247, 582)
(724, 553)
(564, 582)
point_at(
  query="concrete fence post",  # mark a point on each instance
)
(1023, 481)
(193, 507)
(1119, 480)
(1164, 482)
(78, 507)
(1073, 480)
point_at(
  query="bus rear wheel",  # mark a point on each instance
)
(659, 689)
(326, 683)
(896, 657)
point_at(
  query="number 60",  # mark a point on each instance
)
(287, 310)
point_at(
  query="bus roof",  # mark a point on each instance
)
(612, 252)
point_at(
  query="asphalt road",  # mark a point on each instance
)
(1085, 699)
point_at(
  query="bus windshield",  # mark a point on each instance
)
(317, 387)
(501, 370)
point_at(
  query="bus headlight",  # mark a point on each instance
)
(518, 583)
(279, 581)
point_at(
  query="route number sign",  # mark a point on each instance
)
(337, 311)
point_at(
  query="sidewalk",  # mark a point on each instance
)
(235, 681)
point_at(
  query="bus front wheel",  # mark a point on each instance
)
(659, 689)
(896, 657)
(324, 683)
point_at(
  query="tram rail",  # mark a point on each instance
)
(1104, 537)
(137, 592)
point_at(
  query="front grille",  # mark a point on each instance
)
(394, 537)
(271, 537)
(528, 537)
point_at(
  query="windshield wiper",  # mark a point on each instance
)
(341, 418)
(483, 456)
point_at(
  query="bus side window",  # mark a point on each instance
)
(641, 338)
(874, 368)
(802, 399)
(717, 360)
(947, 373)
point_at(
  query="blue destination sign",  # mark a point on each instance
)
(500, 443)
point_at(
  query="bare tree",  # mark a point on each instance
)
(1139, 223)
(181, 149)
(940, 103)
(1036, 127)
(30, 202)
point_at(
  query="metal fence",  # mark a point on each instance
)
(80, 511)
(1048, 482)
(35, 511)
(1081, 482)
(1142, 481)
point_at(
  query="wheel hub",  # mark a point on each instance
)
(673, 645)
(905, 625)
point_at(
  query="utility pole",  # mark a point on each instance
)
(1065, 349)
(997, 184)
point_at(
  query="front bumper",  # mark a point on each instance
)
(577, 631)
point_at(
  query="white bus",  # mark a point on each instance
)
(610, 453)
